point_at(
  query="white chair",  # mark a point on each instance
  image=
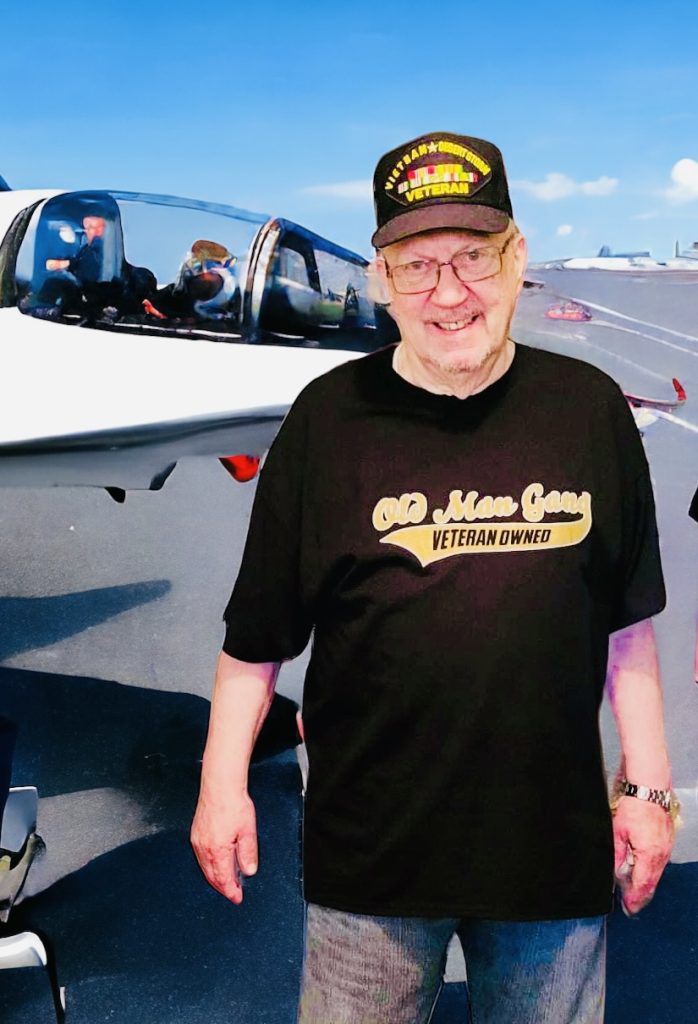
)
(19, 844)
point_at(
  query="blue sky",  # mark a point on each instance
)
(286, 108)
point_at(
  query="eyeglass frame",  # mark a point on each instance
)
(448, 263)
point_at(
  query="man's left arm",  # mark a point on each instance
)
(641, 828)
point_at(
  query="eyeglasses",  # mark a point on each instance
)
(468, 265)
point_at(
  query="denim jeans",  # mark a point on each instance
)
(389, 970)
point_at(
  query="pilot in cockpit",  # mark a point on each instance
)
(206, 287)
(87, 263)
(97, 282)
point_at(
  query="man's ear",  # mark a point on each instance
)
(377, 288)
(521, 260)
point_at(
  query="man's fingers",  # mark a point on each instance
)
(219, 867)
(646, 875)
(642, 883)
(636, 897)
(224, 839)
(247, 855)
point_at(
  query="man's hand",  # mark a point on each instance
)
(643, 834)
(224, 837)
(57, 264)
(224, 830)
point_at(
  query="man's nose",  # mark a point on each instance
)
(450, 290)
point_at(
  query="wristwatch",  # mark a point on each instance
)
(665, 798)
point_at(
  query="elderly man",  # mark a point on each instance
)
(463, 522)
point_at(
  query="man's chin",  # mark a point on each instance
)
(457, 364)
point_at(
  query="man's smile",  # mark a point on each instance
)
(449, 326)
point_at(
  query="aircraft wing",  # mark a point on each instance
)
(77, 411)
(136, 457)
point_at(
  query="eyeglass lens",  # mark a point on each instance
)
(468, 265)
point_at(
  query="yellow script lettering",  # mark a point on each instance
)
(531, 504)
(535, 502)
(408, 508)
(473, 507)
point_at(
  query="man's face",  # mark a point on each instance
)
(456, 327)
(94, 228)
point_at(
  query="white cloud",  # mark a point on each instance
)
(560, 186)
(555, 186)
(684, 175)
(354, 191)
(564, 229)
(603, 186)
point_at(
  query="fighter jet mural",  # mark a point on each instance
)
(137, 329)
(144, 328)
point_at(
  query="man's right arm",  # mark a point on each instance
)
(224, 832)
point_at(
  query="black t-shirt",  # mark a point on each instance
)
(462, 563)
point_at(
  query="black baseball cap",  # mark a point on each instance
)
(440, 180)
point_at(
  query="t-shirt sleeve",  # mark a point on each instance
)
(268, 616)
(693, 510)
(640, 592)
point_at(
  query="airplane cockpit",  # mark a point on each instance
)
(74, 255)
(117, 261)
(158, 265)
(311, 292)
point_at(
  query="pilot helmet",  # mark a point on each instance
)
(207, 276)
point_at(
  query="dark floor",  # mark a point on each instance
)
(140, 937)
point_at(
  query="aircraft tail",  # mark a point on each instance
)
(4, 187)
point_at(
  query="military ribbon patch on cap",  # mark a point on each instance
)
(437, 168)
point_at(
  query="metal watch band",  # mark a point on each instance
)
(663, 797)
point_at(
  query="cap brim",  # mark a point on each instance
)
(470, 216)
